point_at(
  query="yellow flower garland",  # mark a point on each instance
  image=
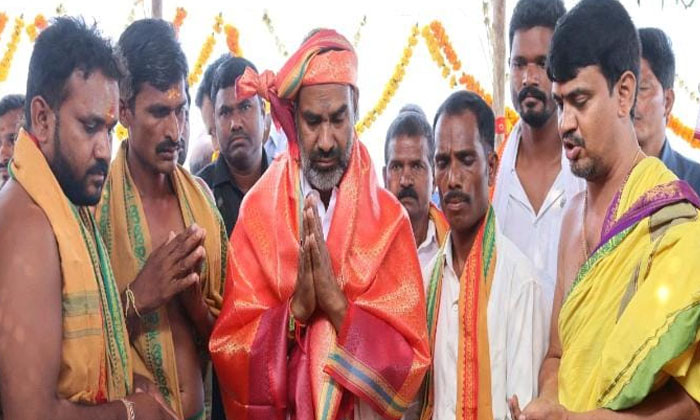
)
(11, 49)
(37, 26)
(205, 52)
(392, 85)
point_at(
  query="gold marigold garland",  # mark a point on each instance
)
(392, 85)
(205, 52)
(232, 38)
(180, 15)
(3, 22)
(6, 61)
(683, 131)
(437, 39)
(38, 25)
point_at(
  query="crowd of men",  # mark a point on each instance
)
(281, 280)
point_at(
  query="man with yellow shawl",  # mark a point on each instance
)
(171, 285)
(324, 312)
(64, 348)
(627, 305)
(486, 306)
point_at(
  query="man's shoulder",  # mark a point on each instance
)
(685, 168)
(512, 265)
(207, 174)
(26, 233)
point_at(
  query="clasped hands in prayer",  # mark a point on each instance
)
(316, 286)
(173, 269)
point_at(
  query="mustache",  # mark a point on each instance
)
(576, 140)
(531, 92)
(455, 195)
(239, 133)
(99, 168)
(166, 146)
(407, 192)
(317, 154)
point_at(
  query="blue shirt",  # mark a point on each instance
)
(684, 168)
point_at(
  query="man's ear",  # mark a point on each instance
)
(627, 91)
(384, 175)
(124, 114)
(43, 119)
(492, 167)
(669, 100)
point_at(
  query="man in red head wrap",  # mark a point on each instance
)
(324, 313)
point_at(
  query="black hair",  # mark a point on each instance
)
(204, 89)
(227, 73)
(464, 100)
(411, 122)
(11, 103)
(530, 13)
(658, 51)
(594, 32)
(150, 53)
(67, 45)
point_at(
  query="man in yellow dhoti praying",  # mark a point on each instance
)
(148, 197)
(627, 304)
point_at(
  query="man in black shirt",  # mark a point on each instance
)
(240, 130)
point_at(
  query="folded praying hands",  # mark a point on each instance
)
(316, 286)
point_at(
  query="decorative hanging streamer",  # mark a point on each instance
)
(6, 61)
(180, 15)
(232, 38)
(205, 52)
(280, 46)
(363, 22)
(37, 26)
(392, 85)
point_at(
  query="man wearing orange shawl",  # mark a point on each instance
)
(323, 316)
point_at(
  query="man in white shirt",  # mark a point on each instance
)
(486, 316)
(534, 181)
(408, 174)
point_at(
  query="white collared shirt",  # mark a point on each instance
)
(326, 214)
(517, 329)
(428, 249)
(276, 143)
(536, 235)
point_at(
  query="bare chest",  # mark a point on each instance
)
(163, 216)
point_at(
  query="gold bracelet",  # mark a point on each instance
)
(129, 405)
(130, 301)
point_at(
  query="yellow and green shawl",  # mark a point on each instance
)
(630, 321)
(95, 359)
(125, 231)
